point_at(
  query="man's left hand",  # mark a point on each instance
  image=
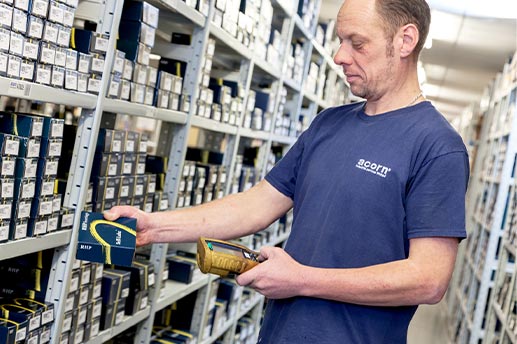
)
(279, 276)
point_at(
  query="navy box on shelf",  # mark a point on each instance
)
(141, 11)
(107, 242)
(20, 124)
(115, 285)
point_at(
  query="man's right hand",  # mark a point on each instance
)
(143, 234)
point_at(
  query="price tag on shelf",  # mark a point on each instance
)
(19, 89)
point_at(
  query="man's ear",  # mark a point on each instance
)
(410, 36)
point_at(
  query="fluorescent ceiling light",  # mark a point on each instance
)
(478, 8)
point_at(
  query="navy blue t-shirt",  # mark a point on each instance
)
(363, 186)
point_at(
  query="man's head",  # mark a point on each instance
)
(380, 42)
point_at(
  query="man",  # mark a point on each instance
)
(377, 190)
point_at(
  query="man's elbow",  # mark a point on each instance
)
(434, 291)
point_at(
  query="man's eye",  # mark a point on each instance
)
(357, 45)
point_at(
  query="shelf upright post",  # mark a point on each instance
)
(475, 187)
(495, 232)
(80, 168)
(175, 137)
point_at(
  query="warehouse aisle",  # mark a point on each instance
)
(429, 325)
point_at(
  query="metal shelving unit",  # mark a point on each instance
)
(487, 259)
(175, 127)
(16, 248)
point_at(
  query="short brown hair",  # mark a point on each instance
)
(397, 13)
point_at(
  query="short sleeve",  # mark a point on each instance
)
(435, 198)
(284, 174)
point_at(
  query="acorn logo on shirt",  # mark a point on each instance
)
(372, 167)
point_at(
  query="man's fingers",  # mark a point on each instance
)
(120, 211)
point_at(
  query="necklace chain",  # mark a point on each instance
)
(415, 99)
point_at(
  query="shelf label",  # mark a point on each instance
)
(4, 233)
(21, 231)
(19, 89)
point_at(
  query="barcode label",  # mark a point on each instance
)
(67, 220)
(12, 147)
(5, 211)
(110, 193)
(144, 302)
(55, 148)
(37, 128)
(119, 317)
(141, 168)
(116, 145)
(7, 190)
(21, 334)
(34, 324)
(127, 168)
(45, 336)
(4, 233)
(24, 209)
(45, 208)
(40, 228)
(47, 316)
(52, 224)
(97, 309)
(151, 279)
(21, 232)
(8, 167)
(112, 170)
(124, 191)
(29, 190)
(31, 167)
(34, 148)
(139, 190)
(51, 168)
(47, 188)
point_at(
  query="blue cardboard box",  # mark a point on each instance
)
(21, 124)
(105, 241)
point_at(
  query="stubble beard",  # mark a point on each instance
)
(363, 90)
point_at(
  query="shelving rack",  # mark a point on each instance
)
(482, 299)
(174, 130)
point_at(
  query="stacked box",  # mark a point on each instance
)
(115, 290)
(132, 78)
(311, 81)
(228, 100)
(284, 125)
(206, 96)
(31, 147)
(308, 12)
(259, 111)
(262, 30)
(179, 321)
(200, 183)
(22, 295)
(35, 38)
(245, 331)
(295, 63)
(118, 173)
(237, 18)
(83, 304)
(177, 70)
(142, 278)
(158, 165)
(91, 50)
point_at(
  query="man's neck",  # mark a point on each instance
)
(406, 93)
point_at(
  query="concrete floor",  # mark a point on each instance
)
(429, 325)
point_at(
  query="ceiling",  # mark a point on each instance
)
(468, 48)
